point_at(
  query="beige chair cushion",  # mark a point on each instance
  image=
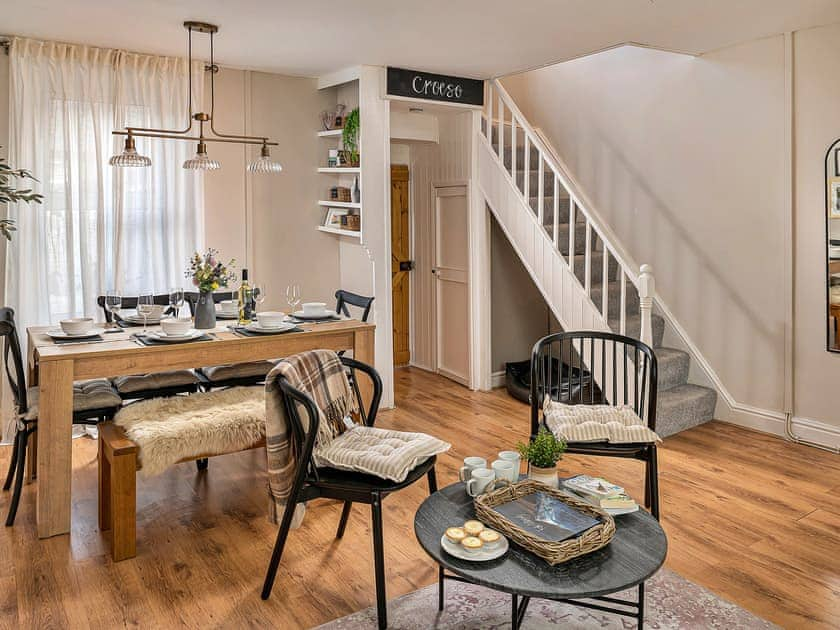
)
(596, 423)
(219, 373)
(380, 452)
(158, 380)
(87, 395)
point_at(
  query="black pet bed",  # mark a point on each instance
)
(518, 383)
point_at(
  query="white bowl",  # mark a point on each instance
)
(155, 311)
(180, 326)
(270, 319)
(313, 309)
(229, 307)
(76, 325)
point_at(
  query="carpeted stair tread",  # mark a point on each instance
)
(673, 367)
(533, 181)
(633, 326)
(563, 238)
(631, 299)
(597, 267)
(683, 407)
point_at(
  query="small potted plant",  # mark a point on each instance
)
(208, 274)
(350, 138)
(542, 455)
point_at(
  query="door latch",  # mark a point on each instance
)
(406, 265)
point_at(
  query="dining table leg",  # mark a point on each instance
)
(363, 350)
(55, 426)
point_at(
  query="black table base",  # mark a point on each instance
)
(519, 604)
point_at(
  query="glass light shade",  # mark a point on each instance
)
(201, 161)
(264, 164)
(129, 156)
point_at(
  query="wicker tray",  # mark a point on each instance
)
(552, 552)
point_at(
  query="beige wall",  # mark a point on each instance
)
(519, 315)
(684, 157)
(816, 126)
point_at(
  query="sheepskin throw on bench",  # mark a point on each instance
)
(172, 429)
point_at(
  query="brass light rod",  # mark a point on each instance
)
(143, 134)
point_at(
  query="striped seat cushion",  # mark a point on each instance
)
(379, 452)
(157, 380)
(252, 369)
(596, 423)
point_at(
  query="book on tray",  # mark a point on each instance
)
(544, 516)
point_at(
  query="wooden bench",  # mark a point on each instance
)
(118, 466)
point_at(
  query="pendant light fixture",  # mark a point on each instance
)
(202, 161)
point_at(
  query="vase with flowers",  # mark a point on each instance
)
(208, 274)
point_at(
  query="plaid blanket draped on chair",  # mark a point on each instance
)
(321, 375)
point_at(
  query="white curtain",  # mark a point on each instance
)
(99, 227)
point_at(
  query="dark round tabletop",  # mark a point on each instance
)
(634, 554)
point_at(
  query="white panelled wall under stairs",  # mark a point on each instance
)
(577, 263)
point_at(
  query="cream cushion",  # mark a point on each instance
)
(237, 370)
(596, 423)
(87, 395)
(379, 452)
(171, 429)
(158, 380)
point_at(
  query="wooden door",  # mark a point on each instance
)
(401, 264)
(452, 282)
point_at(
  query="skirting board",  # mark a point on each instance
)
(497, 379)
(773, 422)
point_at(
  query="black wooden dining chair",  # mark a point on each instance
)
(154, 385)
(566, 366)
(93, 402)
(311, 482)
(344, 298)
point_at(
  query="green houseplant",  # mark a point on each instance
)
(350, 137)
(542, 454)
(10, 193)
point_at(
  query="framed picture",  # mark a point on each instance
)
(334, 215)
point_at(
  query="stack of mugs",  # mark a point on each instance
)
(480, 478)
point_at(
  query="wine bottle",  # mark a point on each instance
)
(246, 300)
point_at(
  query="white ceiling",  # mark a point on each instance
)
(468, 37)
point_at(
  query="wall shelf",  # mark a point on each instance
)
(330, 133)
(339, 169)
(339, 204)
(340, 232)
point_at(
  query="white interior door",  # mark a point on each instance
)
(452, 282)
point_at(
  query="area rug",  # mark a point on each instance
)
(671, 602)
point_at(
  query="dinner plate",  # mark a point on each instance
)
(482, 555)
(162, 336)
(134, 318)
(315, 318)
(255, 327)
(226, 316)
(60, 334)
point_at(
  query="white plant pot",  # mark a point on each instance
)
(548, 476)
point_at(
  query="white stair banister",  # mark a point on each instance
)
(647, 289)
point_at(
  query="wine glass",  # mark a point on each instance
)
(145, 306)
(293, 297)
(258, 295)
(176, 300)
(113, 304)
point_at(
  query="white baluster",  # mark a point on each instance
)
(526, 170)
(587, 259)
(501, 128)
(572, 220)
(622, 315)
(556, 209)
(540, 189)
(647, 288)
(490, 113)
(513, 147)
(605, 284)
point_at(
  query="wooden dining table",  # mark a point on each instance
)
(54, 368)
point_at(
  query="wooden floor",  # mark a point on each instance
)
(751, 517)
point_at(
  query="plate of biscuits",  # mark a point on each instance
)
(474, 542)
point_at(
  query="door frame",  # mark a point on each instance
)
(470, 379)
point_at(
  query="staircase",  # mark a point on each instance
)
(577, 263)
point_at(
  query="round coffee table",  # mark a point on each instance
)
(634, 554)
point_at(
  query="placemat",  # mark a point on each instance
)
(94, 339)
(150, 341)
(239, 330)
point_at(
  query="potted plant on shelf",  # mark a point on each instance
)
(208, 274)
(350, 138)
(542, 455)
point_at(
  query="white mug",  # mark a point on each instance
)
(512, 457)
(504, 471)
(481, 480)
(470, 464)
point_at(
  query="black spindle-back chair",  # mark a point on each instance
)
(343, 298)
(311, 482)
(599, 368)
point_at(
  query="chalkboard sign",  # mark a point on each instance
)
(435, 87)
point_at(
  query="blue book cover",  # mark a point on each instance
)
(548, 518)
